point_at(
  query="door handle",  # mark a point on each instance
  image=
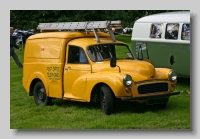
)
(69, 68)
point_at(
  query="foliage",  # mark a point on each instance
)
(29, 19)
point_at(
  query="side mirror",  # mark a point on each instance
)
(172, 60)
(113, 62)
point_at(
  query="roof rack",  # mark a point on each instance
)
(88, 25)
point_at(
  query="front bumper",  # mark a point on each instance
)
(159, 96)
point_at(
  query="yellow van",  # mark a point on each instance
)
(73, 61)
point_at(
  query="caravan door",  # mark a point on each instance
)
(142, 52)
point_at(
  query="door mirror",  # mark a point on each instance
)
(113, 62)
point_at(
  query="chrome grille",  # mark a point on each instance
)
(152, 88)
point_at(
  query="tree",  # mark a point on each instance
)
(29, 19)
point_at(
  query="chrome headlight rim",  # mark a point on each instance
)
(172, 75)
(127, 80)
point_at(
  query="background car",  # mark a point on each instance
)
(21, 35)
(127, 30)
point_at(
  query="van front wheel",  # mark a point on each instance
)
(106, 99)
(40, 96)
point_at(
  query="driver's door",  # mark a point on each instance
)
(75, 70)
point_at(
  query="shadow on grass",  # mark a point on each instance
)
(120, 107)
(183, 81)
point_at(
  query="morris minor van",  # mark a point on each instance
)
(90, 66)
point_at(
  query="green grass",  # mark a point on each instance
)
(123, 38)
(25, 114)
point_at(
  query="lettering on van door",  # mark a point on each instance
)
(53, 73)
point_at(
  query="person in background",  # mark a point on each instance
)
(12, 52)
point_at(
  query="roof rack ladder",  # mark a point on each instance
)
(91, 25)
(111, 34)
(96, 35)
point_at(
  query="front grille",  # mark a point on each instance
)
(152, 88)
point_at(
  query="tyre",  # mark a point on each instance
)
(106, 100)
(40, 96)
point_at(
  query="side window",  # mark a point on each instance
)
(77, 55)
(185, 35)
(172, 31)
(156, 31)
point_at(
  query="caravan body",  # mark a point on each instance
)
(165, 35)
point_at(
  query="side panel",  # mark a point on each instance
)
(141, 30)
(36, 75)
(54, 78)
(159, 54)
(45, 56)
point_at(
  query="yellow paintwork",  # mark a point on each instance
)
(45, 59)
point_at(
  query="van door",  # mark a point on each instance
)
(142, 52)
(75, 73)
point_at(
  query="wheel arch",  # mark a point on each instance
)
(34, 81)
(95, 94)
(34, 78)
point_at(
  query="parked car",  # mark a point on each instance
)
(127, 30)
(91, 67)
(22, 35)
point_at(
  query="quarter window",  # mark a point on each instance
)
(185, 35)
(156, 31)
(172, 31)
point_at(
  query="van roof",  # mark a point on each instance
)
(168, 17)
(67, 35)
(92, 41)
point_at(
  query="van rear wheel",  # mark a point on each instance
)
(40, 96)
(106, 100)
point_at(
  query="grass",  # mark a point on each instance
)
(25, 114)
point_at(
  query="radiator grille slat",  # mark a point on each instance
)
(152, 88)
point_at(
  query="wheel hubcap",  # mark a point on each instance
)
(41, 94)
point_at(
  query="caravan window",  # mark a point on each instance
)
(156, 31)
(185, 32)
(172, 31)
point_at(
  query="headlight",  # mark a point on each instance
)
(127, 80)
(172, 75)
